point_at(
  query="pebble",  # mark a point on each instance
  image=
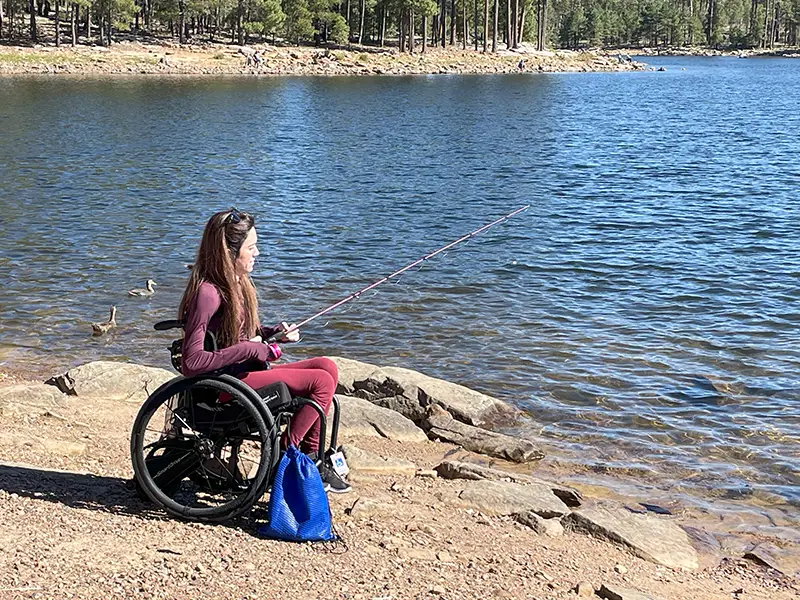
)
(621, 569)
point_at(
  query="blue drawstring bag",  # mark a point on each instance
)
(298, 506)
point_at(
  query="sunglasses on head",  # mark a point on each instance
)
(234, 217)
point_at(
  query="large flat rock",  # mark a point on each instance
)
(410, 393)
(615, 592)
(362, 418)
(506, 498)
(30, 399)
(112, 380)
(361, 461)
(454, 469)
(441, 425)
(654, 538)
(785, 560)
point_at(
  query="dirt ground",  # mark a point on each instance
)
(81, 532)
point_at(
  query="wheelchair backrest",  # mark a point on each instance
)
(176, 347)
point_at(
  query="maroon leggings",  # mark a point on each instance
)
(314, 378)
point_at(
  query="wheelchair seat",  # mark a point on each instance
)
(204, 448)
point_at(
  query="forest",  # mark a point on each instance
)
(413, 25)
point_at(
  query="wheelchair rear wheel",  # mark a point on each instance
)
(200, 458)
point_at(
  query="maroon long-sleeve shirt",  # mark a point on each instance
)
(204, 315)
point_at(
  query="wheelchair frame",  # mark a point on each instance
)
(177, 457)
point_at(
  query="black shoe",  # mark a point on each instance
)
(331, 482)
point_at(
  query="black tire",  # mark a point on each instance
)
(196, 456)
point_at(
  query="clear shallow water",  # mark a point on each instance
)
(644, 311)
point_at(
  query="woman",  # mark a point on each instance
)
(220, 297)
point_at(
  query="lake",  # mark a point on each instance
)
(643, 311)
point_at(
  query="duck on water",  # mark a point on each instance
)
(147, 291)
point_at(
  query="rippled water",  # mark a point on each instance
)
(644, 310)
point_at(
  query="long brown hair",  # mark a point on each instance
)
(223, 237)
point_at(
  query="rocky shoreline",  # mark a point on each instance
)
(168, 58)
(439, 509)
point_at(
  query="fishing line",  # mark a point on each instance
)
(420, 263)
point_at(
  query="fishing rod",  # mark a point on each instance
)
(371, 286)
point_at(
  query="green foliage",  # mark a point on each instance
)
(298, 25)
(338, 32)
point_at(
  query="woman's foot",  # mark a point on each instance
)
(331, 482)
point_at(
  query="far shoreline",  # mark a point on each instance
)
(134, 58)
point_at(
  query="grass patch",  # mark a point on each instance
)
(219, 56)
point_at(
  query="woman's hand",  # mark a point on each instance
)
(292, 336)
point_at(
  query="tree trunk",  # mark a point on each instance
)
(401, 31)
(424, 33)
(485, 26)
(383, 26)
(522, 23)
(361, 25)
(32, 7)
(182, 21)
(710, 23)
(88, 23)
(509, 42)
(443, 21)
(411, 31)
(74, 24)
(348, 23)
(475, 26)
(494, 25)
(453, 18)
(58, 23)
(464, 24)
(239, 24)
(515, 28)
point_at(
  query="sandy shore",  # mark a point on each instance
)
(168, 58)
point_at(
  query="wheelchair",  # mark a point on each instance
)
(205, 448)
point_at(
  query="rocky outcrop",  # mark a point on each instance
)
(442, 426)
(30, 399)
(453, 469)
(785, 561)
(112, 380)
(410, 393)
(654, 538)
(504, 498)
(362, 418)
(351, 371)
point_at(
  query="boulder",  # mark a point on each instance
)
(361, 461)
(542, 526)
(351, 371)
(410, 393)
(504, 498)
(453, 469)
(112, 380)
(783, 560)
(614, 592)
(30, 399)
(362, 418)
(440, 425)
(654, 538)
